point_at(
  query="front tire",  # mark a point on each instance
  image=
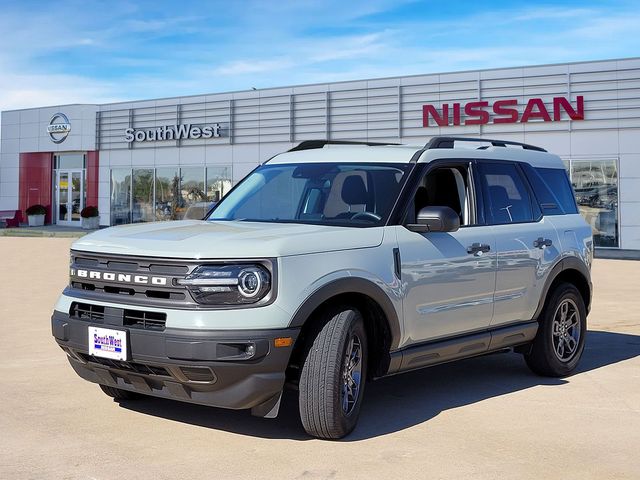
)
(333, 375)
(559, 343)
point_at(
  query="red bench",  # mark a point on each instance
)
(11, 218)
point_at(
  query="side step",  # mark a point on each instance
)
(442, 351)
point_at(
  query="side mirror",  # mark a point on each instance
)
(435, 219)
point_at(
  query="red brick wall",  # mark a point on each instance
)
(92, 179)
(35, 174)
(36, 180)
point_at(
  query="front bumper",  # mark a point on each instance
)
(235, 369)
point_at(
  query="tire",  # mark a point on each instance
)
(557, 353)
(118, 394)
(328, 409)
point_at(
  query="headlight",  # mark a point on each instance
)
(228, 284)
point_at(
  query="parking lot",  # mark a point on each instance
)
(481, 418)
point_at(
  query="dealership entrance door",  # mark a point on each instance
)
(70, 196)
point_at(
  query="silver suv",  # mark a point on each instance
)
(333, 264)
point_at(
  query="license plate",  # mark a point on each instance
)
(107, 343)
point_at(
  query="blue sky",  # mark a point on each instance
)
(100, 51)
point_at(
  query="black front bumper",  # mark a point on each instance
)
(230, 369)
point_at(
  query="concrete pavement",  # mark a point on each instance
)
(482, 418)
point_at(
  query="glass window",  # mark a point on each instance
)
(167, 193)
(596, 185)
(507, 196)
(69, 161)
(192, 193)
(120, 196)
(218, 183)
(142, 195)
(558, 182)
(552, 190)
(325, 193)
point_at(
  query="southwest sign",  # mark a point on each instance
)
(504, 111)
(172, 132)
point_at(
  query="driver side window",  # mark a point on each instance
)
(448, 186)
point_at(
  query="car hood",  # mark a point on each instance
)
(199, 239)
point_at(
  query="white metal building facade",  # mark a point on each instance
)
(150, 160)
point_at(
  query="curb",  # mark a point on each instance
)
(22, 232)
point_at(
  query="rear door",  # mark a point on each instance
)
(527, 243)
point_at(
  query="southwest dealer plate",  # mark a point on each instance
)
(107, 343)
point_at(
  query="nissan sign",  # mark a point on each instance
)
(504, 111)
(172, 132)
(58, 128)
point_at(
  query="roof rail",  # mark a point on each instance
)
(313, 144)
(447, 142)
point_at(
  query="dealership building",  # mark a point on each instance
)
(155, 160)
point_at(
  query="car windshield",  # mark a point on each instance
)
(345, 194)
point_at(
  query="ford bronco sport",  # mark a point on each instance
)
(333, 264)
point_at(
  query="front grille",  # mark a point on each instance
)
(134, 367)
(121, 273)
(86, 311)
(146, 320)
(118, 316)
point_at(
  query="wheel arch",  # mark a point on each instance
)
(381, 320)
(569, 270)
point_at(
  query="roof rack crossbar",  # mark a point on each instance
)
(448, 142)
(313, 144)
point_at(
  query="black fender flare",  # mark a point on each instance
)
(568, 263)
(350, 285)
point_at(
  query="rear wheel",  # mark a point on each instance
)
(119, 394)
(333, 376)
(559, 343)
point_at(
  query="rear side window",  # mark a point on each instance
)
(507, 198)
(557, 184)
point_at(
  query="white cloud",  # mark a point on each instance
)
(122, 51)
(243, 67)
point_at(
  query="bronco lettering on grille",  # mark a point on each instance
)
(118, 277)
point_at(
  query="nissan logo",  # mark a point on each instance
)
(58, 128)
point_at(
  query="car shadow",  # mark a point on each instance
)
(399, 402)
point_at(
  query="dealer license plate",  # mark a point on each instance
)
(107, 343)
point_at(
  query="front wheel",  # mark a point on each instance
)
(559, 343)
(333, 376)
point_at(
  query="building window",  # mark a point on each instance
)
(166, 193)
(192, 194)
(218, 183)
(69, 161)
(142, 199)
(595, 183)
(120, 196)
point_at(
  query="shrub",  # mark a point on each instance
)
(89, 212)
(36, 210)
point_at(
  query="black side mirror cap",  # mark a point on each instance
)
(435, 219)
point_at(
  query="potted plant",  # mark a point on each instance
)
(90, 218)
(35, 215)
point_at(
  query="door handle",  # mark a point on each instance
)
(542, 242)
(478, 248)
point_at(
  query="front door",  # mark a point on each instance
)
(448, 278)
(70, 196)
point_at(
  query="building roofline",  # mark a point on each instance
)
(284, 87)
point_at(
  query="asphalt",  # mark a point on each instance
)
(481, 418)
